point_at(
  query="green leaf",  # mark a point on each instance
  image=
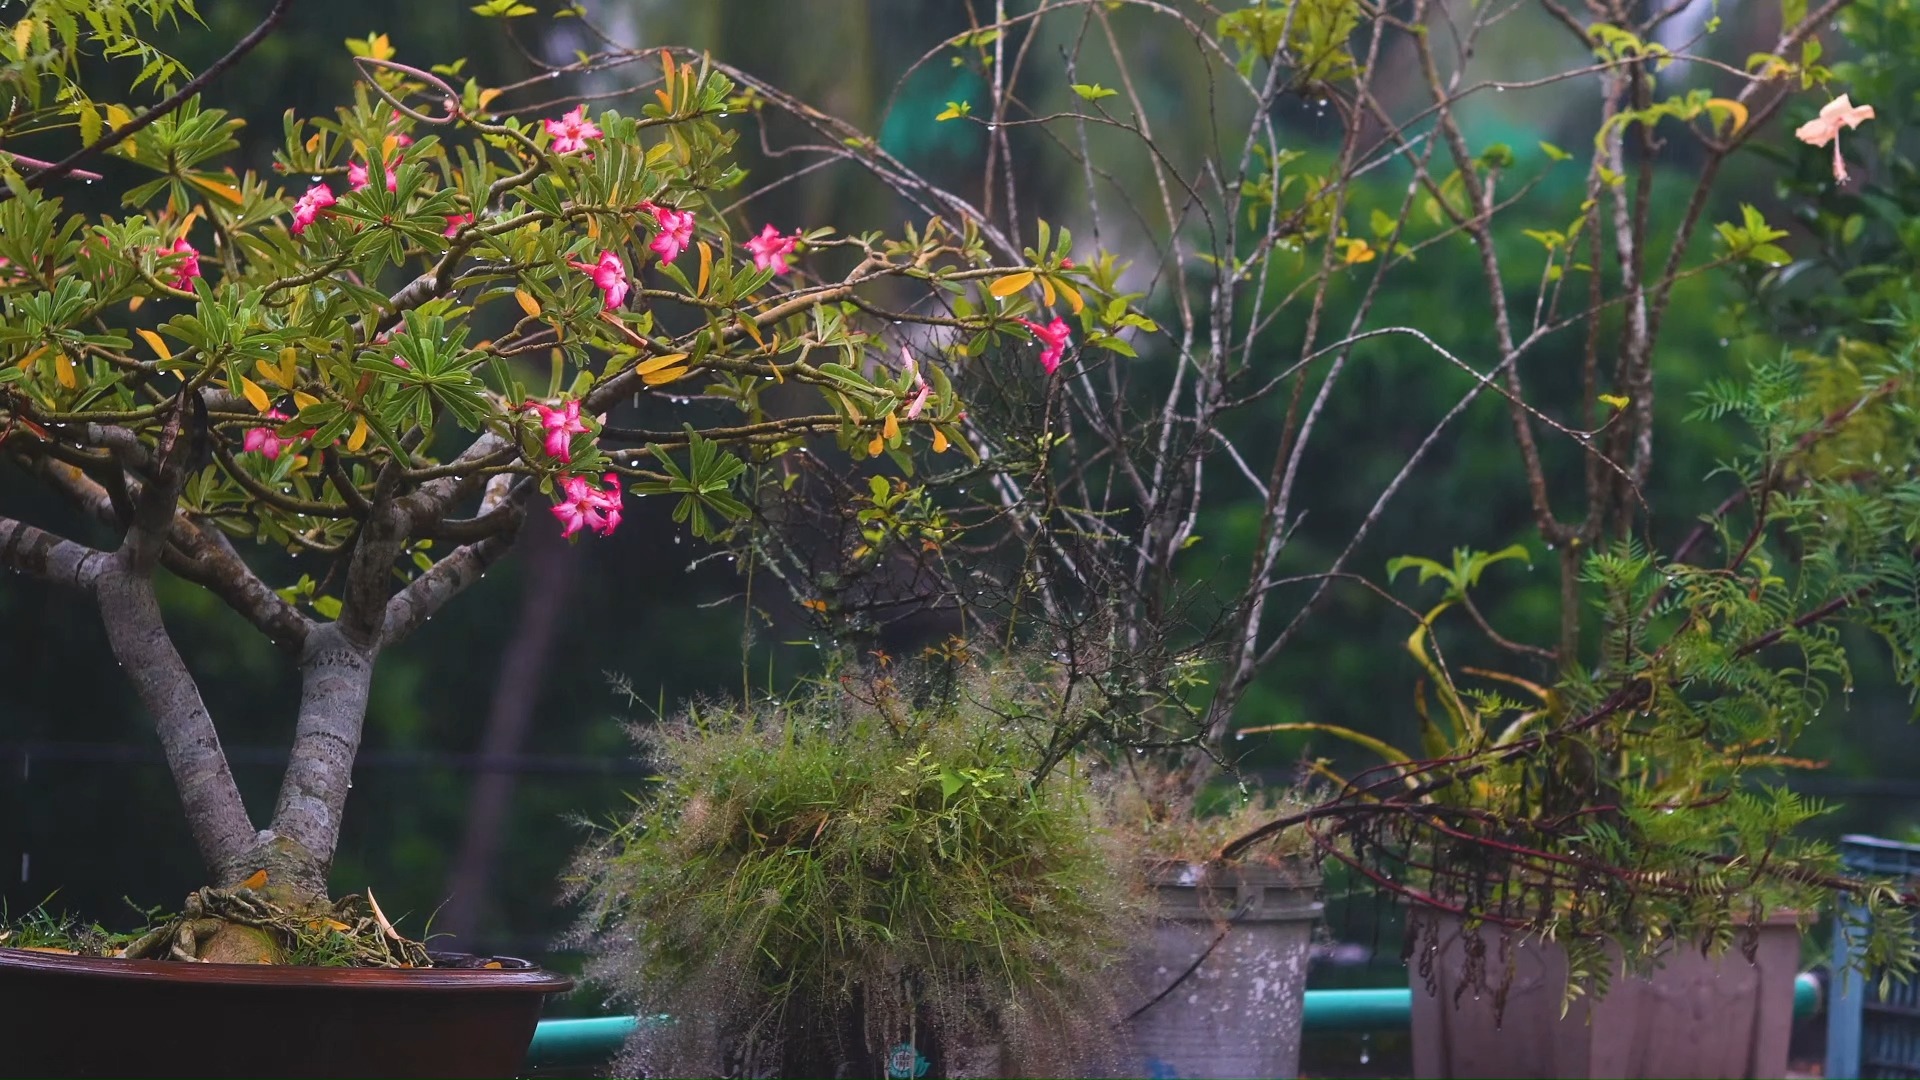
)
(1093, 91)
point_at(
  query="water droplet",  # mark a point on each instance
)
(315, 178)
(1499, 89)
(1366, 1050)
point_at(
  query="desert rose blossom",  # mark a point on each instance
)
(189, 267)
(357, 177)
(266, 442)
(1055, 337)
(454, 221)
(561, 425)
(571, 132)
(609, 276)
(1825, 128)
(586, 506)
(676, 231)
(770, 248)
(308, 207)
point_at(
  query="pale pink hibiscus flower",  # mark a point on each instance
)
(1825, 128)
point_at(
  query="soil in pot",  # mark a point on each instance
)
(1695, 1017)
(89, 1016)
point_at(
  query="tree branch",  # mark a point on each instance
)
(35, 551)
(451, 576)
(180, 97)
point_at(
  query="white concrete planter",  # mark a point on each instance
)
(1225, 976)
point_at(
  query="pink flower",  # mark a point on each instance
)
(1825, 129)
(770, 249)
(1055, 336)
(357, 177)
(571, 132)
(676, 231)
(609, 276)
(561, 424)
(919, 401)
(589, 507)
(401, 361)
(454, 221)
(308, 206)
(189, 267)
(265, 442)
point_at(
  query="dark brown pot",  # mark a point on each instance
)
(82, 1016)
(1695, 1017)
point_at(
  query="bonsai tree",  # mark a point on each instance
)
(438, 316)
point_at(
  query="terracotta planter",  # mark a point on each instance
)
(1694, 1017)
(80, 1016)
(1225, 976)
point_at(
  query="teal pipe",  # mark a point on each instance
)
(585, 1042)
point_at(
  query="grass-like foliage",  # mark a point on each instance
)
(866, 863)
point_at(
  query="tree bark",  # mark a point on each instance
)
(550, 568)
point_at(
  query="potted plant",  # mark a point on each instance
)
(874, 868)
(237, 370)
(1222, 978)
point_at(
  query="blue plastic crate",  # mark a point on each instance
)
(1869, 1035)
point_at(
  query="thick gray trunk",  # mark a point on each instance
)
(336, 678)
(140, 642)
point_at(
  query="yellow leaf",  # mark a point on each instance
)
(153, 340)
(593, 227)
(379, 47)
(663, 376)
(1011, 284)
(667, 66)
(655, 363)
(939, 441)
(486, 96)
(1046, 290)
(254, 395)
(314, 141)
(752, 328)
(492, 965)
(706, 268)
(63, 371)
(891, 429)
(22, 36)
(26, 362)
(255, 880)
(328, 924)
(1073, 297)
(289, 365)
(527, 303)
(134, 303)
(215, 187)
(874, 447)
(360, 149)
(359, 437)
(271, 373)
(666, 100)
(1615, 400)
(119, 117)
(1735, 111)
(388, 145)
(302, 400)
(48, 949)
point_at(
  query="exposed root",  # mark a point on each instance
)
(242, 926)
